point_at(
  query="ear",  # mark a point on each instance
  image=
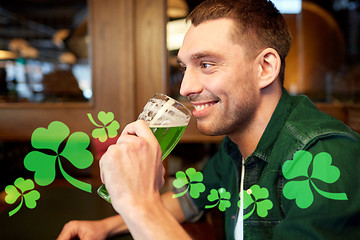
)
(269, 63)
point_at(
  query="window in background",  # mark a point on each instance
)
(288, 6)
(324, 58)
(47, 51)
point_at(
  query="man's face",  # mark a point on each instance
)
(219, 78)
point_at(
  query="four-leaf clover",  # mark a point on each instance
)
(24, 189)
(297, 170)
(51, 148)
(257, 197)
(221, 196)
(109, 126)
(193, 182)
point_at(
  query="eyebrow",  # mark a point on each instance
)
(201, 55)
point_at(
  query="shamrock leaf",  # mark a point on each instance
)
(75, 149)
(44, 163)
(297, 170)
(196, 189)
(113, 128)
(192, 179)
(30, 198)
(221, 196)
(257, 197)
(12, 194)
(108, 128)
(213, 196)
(105, 118)
(194, 175)
(26, 192)
(303, 198)
(299, 166)
(263, 207)
(323, 169)
(50, 138)
(100, 133)
(181, 179)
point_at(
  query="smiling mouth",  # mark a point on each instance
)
(199, 107)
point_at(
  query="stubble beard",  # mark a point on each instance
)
(235, 121)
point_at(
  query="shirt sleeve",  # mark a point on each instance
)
(322, 201)
(188, 206)
(193, 208)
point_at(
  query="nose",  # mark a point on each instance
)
(190, 84)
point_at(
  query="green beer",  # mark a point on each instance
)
(167, 119)
(168, 137)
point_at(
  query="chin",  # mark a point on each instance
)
(210, 130)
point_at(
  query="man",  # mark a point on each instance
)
(292, 172)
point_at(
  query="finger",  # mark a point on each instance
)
(163, 171)
(101, 172)
(162, 177)
(128, 139)
(136, 132)
(138, 128)
(66, 234)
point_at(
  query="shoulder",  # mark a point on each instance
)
(321, 185)
(308, 124)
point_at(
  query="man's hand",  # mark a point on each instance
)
(111, 226)
(133, 173)
(132, 168)
(84, 230)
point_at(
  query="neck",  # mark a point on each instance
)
(248, 139)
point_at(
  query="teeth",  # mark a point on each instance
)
(201, 107)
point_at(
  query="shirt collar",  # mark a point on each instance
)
(274, 127)
(271, 133)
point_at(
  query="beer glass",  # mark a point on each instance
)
(167, 119)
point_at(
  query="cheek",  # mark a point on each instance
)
(242, 93)
(213, 83)
(219, 84)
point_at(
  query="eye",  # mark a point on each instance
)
(182, 67)
(206, 65)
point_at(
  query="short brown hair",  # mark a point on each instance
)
(259, 24)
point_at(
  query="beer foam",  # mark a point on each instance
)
(161, 113)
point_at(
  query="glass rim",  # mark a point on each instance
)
(176, 101)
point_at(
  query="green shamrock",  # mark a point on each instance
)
(109, 126)
(297, 170)
(27, 194)
(52, 147)
(258, 197)
(221, 196)
(194, 182)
